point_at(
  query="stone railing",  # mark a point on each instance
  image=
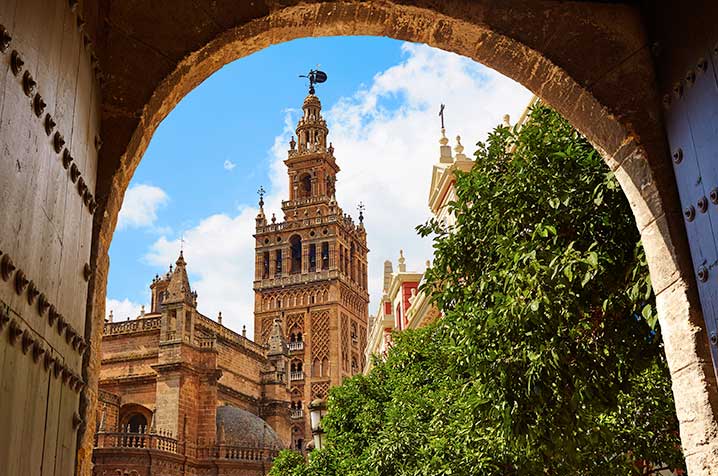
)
(297, 278)
(236, 453)
(163, 441)
(296, 413)
(297, 345)
(127, 327)
(219, 331)
(205, 343)
(297, 223)
(297, 375)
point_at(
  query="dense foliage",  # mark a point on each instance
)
(548, 359)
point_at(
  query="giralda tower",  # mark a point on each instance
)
(311, 272)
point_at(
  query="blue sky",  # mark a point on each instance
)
(200, 173)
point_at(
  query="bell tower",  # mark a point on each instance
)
(311, 273)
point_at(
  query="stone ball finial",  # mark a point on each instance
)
(444, 140)
(459, 148)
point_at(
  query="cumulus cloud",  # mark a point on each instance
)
(139, 209)
(229, 165)
(386, 141)
(121, 310)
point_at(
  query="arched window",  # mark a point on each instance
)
(352, 264)
(325, 367)
(305, 186)
(134, 418)
(295, 242)
(299, 337)
(137, 423)
(316, 368)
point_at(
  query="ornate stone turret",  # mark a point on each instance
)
(276, 342)
(178, 290)
(310, 161)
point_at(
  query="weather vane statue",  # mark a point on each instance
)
(315, 76)
(361, 209)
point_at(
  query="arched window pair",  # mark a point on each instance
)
(320, 368)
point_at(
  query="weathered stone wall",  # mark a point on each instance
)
(240, 370)
(49, 111)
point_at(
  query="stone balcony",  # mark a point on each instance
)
(287, 279)
(164, 442)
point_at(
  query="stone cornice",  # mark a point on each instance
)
(129, 379)
(221, 388)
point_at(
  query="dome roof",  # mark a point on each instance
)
(242, 428)
(311, 100)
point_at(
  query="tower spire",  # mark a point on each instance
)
(261, 219)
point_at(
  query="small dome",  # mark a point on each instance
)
(311, 100)
(242, 428)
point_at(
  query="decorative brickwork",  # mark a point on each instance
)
(320, 390)
(295, 320)
(320, 335)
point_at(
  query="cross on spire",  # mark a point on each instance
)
(441, 114)
(182, 243)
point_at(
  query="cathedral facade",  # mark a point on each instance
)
(311, 273)
(181, 394)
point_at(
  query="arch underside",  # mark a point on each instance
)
(589, 61)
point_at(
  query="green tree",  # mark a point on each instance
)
(548, 359)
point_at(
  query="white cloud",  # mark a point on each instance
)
(229, 165)
(386, 155)
(121, 310)
(386, 152)
(139, 209)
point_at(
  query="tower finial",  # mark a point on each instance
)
(261, 193)
(314, 76)
(441, 114)
(361, 209)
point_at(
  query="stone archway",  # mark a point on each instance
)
(591, 61)
(615, 106)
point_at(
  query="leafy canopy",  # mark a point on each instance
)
(548, 359)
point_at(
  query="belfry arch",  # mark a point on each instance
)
(592, 62)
